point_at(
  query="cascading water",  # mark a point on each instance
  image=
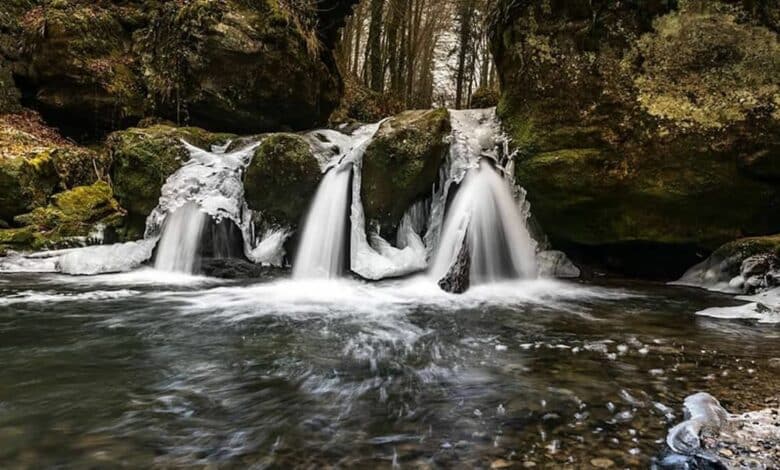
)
(322, 250)
(180, 242)
(485, 216)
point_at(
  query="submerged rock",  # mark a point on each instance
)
(458, 278)
(652, 125)
(231, 268)
(282, 179)
(401, 164)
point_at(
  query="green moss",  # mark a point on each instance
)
(27, 182)
(402, 163)
(282, 179)
(143, 158)
(74, 213)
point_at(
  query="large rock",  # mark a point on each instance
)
(282, 179)
(35, 162)
(402, 163)
(71, 217)
(211, 63)
(143, 158)
(643, 128)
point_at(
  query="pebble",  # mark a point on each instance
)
(774, 363)
(602, 463)
(529, 464)
(726, 453)
(500, 463)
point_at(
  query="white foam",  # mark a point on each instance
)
(32, 297)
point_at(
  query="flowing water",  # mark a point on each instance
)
(158, 370)
(485, 215)
(323, 248)
(179, 245)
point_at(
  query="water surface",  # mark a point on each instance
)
(151, 370)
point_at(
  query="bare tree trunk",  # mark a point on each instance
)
(376, 78)
(465, 14)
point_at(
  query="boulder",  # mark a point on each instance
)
(643, 127)
(282, 179)
(401, 164)
(35, 162)
(741, 266)
(210, 63)
(70, 219)
(143, 158)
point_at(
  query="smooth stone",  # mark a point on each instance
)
(602, 463)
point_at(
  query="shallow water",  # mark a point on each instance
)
(148, 369)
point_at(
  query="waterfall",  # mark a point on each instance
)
(485, 215)
(181, 237)
(322, 250)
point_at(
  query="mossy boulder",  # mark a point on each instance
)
(143, 158)
(402, 163)
(652, 124)
(70, 217)
(35, 162)
(282, 179)
(93, 67)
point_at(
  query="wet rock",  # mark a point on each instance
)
(745, 265)
(232, 268)
(282, 179)
(458, 278)
(143, 158)
(556, 264)
(602, 463)
(710, 438)
(401, 164)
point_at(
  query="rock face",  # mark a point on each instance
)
(282, 179)
(143, 158)
(402, 164)
(653, 125)
(210, 63)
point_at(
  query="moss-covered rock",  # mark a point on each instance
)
(143, 158)
(72, 214)
(650, 123)
(92, 67)
(402, 163)
(282, 179)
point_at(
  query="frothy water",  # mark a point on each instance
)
(323, 250)
(180, 242)
(485, 216)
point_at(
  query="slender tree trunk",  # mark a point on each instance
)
(376, 70)
(465, 13)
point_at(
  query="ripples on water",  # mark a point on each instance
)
(146, 369)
